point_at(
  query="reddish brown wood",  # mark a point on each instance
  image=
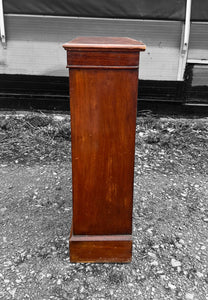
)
(105, 44)
(93, 58)
(103, 101)
(100, 250)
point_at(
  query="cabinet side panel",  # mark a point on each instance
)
(103, 117)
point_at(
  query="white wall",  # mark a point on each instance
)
(34, 43)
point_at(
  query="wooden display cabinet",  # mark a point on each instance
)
(103, 75)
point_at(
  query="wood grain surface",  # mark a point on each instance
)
(105, 43)
(100, 251)
(103, 103)
(93, 58)
(103, 117)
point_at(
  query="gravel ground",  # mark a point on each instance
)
(170, 217)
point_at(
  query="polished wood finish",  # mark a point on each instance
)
(105, 44)
(101, 248)
(93, 58)
(103, 102)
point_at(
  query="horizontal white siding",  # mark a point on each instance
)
(34, 43)
(198, 47)
(200, 75)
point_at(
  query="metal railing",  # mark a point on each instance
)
(2, 27)
(184, 42)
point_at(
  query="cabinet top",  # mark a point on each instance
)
(105, 43)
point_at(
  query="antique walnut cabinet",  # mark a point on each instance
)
(103, 76)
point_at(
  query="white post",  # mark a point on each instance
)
(2, 27)
(184, 42)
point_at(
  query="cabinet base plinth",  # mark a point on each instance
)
(100, 248)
